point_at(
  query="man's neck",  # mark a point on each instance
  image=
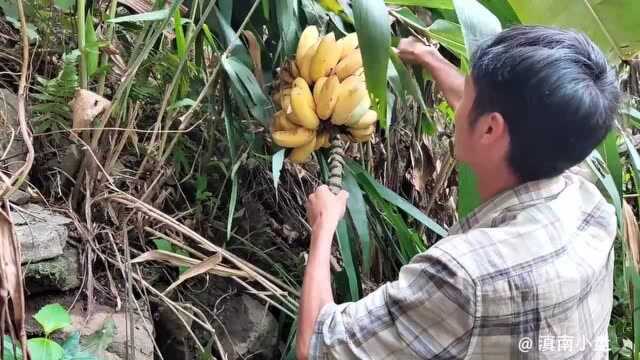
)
(494, 181)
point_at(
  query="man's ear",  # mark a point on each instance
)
(492, 128)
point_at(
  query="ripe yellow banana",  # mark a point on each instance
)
(302, 85)
(368, 119)
(326, 57)
(317, 87)
(322, 140)
(301, 153)
(304, 114)
(280, 122)
(349, 65)
(349, 43)
(358, 111)
(308, 38)
(304, 63)
(352, 92)
(327, 96)
(293, 138)
(362, 135)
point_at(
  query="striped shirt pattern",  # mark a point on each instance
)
(528, 275)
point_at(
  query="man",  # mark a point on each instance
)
(529, 273)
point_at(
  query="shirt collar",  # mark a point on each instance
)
(522, 196)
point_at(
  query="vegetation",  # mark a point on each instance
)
(167, 158)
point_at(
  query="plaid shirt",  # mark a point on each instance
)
(527, 275)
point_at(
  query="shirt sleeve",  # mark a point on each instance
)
(427, 313)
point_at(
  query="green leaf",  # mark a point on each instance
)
(358, 213)
(277, 160)
(374, 36)
(410, 243)
(344, 244)
(609, 151)
(332, 5)
(409, 83)
(155, 15)
(632, 115)
(163, 244)
(502, 10)
(10, 9)
(477, 23)
(181, 42)
(397, 200)
(226, 9)
(9, 346)
(468, 195)
(266, 6)
(186, 102)
(44, 349)
(52, 317)
(91, 48)
(64, 5)
(406, 15)
(288, 24)
(635, 158)
(597, 165)
(433, 4)
(611, 24)
(248, 88)
(231, 141)
(449, 34)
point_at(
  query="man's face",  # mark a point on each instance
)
(464, 140)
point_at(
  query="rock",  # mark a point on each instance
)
(19, 197)
(17, 152)
(143, 339)
(249, 329)
(61, 273)
(42, 233)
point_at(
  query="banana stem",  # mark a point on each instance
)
(336, 165)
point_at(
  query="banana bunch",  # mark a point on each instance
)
(322, 91)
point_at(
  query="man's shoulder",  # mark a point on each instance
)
(532, 236)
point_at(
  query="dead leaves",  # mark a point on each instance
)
(209, 265)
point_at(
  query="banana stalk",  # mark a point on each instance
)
(336, 165)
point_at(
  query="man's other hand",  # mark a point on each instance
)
(414, 51)
(325, 208)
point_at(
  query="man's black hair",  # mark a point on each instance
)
(554, 89)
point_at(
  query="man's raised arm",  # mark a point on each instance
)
(449, 80)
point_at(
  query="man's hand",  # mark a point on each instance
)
(324, 211)
(414, 51)
(325, 208)
(446, 75)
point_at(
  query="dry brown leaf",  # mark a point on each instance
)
(203, 266)
(166, 256)
(11, 291)
(86, 105)
(254, 51)
(181, 260)
(632, 234)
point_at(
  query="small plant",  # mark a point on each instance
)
(54, 317)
